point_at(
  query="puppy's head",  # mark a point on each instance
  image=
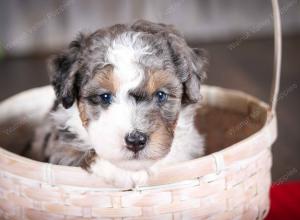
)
(129, 84)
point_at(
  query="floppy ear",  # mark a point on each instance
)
(63, 71)
(190, 66)
(196, 76)
(190, 63)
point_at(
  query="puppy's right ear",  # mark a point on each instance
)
(63, 69)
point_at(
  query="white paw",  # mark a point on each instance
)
(140, 178)
(126, 182)
(130, 179)
(118, 177)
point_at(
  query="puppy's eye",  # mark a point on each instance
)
(161, 97)
(105, 99)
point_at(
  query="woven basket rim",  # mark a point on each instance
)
(210, 159)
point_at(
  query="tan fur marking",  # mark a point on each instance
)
(161, 141)
(156, 80)
(82, 114)
(107, 80)
(89, 158)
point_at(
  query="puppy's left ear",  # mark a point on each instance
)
(63, 70)
(199, 62)
(191, 64)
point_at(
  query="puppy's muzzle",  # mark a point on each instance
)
(136, 141)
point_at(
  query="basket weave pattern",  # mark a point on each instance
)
(239, 190)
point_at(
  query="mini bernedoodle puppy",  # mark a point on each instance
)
(126, 100)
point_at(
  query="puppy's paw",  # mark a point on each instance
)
(130, 179)
(140, 178)
(124, 182)
(118, 177)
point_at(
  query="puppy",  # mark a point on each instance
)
(126, 100)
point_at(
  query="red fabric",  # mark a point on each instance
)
(285, 201)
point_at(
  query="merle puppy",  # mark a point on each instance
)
(126, 97)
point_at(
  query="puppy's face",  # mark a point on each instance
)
(130, 111)
(129, 83)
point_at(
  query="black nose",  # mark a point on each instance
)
(136, 141)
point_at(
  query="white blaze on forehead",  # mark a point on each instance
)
(123, 59)
(124, 54)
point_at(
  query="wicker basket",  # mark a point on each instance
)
(229, 183)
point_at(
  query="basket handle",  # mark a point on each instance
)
(277, 56)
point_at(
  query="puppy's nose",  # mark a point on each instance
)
(136, 141)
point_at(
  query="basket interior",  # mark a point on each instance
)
(223, 128)
(224, 120)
